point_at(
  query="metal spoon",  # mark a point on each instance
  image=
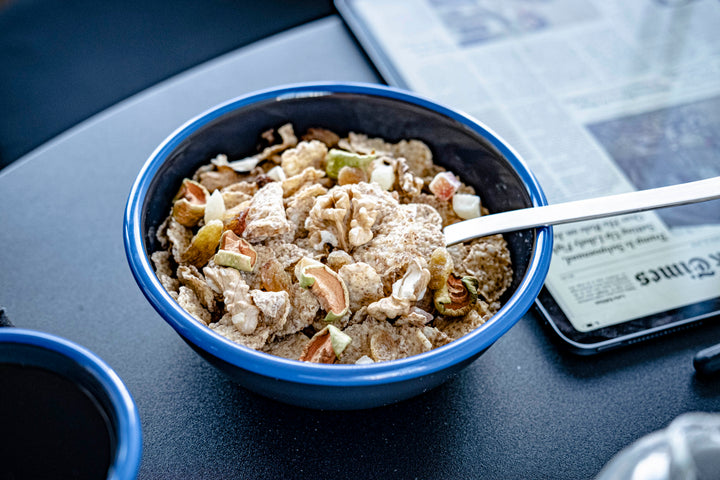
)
(681, 194)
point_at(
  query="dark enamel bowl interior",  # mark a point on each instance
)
(457, 142)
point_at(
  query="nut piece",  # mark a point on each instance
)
(214, 207)
(337, 159)
(235, 252)
(444, 185)
(325, 346)
(457, 296)
(189, 203)
(327, 286)
(203, 245)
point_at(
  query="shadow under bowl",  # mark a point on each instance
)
(458, 142)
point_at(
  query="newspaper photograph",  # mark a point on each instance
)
(599, 98)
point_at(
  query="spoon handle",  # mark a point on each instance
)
(681, 194)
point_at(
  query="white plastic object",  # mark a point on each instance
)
(688, 449)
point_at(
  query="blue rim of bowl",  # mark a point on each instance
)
(128, 452)
(319, 374)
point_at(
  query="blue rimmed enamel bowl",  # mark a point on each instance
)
(64, 412)
(457, 141)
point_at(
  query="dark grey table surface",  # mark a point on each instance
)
(522, 410)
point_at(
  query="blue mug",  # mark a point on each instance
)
(64, 413)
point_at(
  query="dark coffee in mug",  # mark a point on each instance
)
(50, 427)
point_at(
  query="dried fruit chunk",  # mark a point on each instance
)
(274, 277)
(348, 175)
(444, 185)
(440, 266)
(337, 159)
(326, 346)
(457, 296)
(203, 244)
(326, 285)
(237, 223)
(235, 252)
(189, 203)
(466, 206)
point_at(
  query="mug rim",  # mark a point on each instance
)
(127, 454)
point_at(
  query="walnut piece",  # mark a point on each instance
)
(190, 277)
(235, 291)
(344, 217)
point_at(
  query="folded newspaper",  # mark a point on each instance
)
(598, 97)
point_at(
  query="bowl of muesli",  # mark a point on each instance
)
(293, 238)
